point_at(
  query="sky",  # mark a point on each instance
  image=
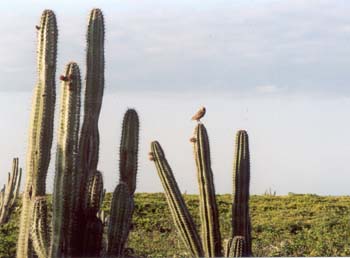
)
(275, 68)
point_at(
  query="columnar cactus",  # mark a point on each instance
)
(41, 128)
(66, 162)
(77, 227)
(92, 238)
(89, 139)
(211, 238)
(236, 247)
(241, 176)
(129, 150)
(94, 193)
(89, 136)
(122, 207)
(40, 234)
(209, 214)
(182, 217)
(9, 192)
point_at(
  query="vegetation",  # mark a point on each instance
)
(293, 225)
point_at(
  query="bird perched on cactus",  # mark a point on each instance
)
(200, 113)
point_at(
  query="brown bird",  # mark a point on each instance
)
(37, 27)
(199, 114)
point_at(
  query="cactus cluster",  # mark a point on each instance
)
(209, 244)
(77, 223)
(9, 192)
(77, 226)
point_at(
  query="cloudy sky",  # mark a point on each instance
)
(276, 68)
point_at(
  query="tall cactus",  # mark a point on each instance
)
(41, 128)
(9, 192)
(241, 176)
(89, 140)
(182, 217)
(66, 162)
(122, 205)
(209, 214)
(77, 228)
(129, 150)
(89, 136)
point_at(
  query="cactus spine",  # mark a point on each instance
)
(241, 176)
(66, 162)
(41, 128)
(182, 217)
(209, 214)
(9, 192)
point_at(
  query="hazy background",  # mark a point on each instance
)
(278, 69)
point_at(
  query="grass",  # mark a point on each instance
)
(293, 225)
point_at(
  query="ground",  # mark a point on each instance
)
(293, 225)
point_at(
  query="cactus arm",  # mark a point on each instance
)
(209, 214)
(18, 184)
(181, 216)
(236, 247)
(66, 161)
(122, 207)
(89, 142)
(40, 234)
(240, 206)
(94, 194)
(129, 149)
(41, 128)
(9, 192)
(93, 228)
